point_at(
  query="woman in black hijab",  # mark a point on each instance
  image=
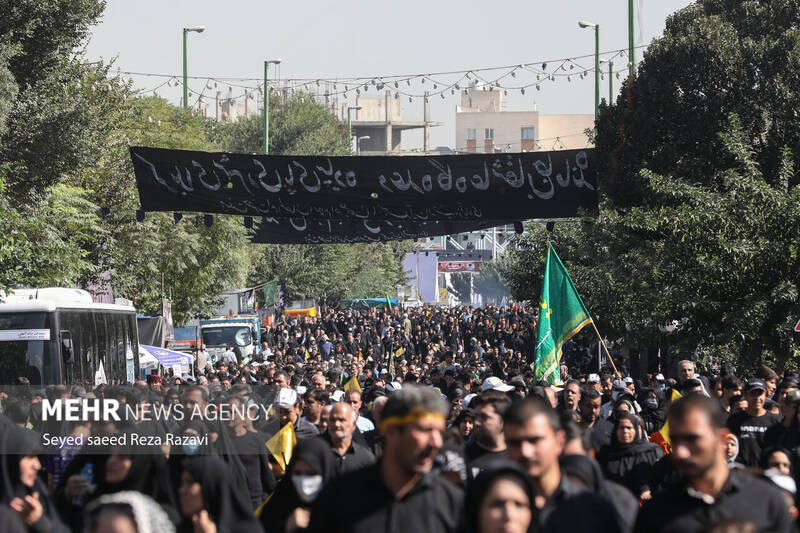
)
(311, 468)
(142, 470)
(653, 414)
(21, 488)
(500, 499)
(208, 495)
(629, 457)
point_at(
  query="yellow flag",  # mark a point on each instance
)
(281, 445)
(352, 384)
(305, 358)
(662, 435)
(398, 352)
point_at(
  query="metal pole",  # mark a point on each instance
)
(185, 74)
(610, 82)
(596, 70)
(494, 244)
(266, 108)
(631, 49)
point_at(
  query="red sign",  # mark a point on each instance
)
(797, 327)
(459, 266)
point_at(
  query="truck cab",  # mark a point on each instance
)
(243, 332)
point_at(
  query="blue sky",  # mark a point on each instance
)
(318, 39)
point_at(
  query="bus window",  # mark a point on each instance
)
(25, 346)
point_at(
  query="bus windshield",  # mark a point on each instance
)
(227, 336)
(25, 342)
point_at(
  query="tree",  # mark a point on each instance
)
(698, 183)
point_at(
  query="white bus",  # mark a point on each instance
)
(57, 336)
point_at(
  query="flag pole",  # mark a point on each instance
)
(602, 342)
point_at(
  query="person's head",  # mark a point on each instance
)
(313, 402)
(341, 422)
(625, 428)
(691, 386)
(571, 395)
(195, 400)
(319, 381)
(154, 382)
(281, 379)
(465, 423)
(777, 459)
(698, 435)
(731, 447)
(755, 392)
(685, 370)
(353, 397)
(731, 386)
(534, 438)
(288, 407)
(770, 379)
(577, 439)
(489, 408)
(500, 500)
(412, 423)
(323, 418)
(589, 405)
(118, 465)
(738, 403)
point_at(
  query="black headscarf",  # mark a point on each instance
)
(227, 506)
(477, 490)
(149, 475)
(317, 453)
(16, 443)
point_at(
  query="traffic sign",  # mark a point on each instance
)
(797, 327)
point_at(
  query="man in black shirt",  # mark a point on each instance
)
(708, 491)
(535, 439)
(487, 443)
(399, 494)
(250, 449)
(751, 425)
(349, 456)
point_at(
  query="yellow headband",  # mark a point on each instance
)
(411, 418)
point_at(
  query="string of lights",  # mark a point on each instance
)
(509, 78)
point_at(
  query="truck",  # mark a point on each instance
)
(243, 331)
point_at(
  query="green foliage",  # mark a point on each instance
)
(298, 125)
(696, 227)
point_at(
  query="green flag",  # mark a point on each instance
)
(270, 293)
(561, 315)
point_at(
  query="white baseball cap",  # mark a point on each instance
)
(495, 383)
(337, 395)
(593, 378)
(286, 399)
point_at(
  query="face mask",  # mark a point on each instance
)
(191, 448)
(651, 403)
(307, 487)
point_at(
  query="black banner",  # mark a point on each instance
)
(305, 230)
(402, 189)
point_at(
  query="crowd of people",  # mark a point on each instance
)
(418, 420)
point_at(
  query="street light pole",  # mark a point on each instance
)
(358, 143)
(266, 101)
(610, 82)
(198, 29)
(584, 24)
(631, 48)
(349, 126)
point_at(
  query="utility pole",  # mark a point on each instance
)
(266, 101)
(631, 48)
(198, 29)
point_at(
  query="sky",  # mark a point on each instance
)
(359, 38)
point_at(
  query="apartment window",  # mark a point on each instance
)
(527, 134)
(470, 134)
(488, 133)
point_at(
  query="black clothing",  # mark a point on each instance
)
(574, 508)
(479, 458)
(356, 457)
(588, 470)
(744, 497)
(16, 443)
(601, 434)
(750, 431)
(630, 464)
(433, 505)
(253, 455)
(315, 452)
(9, 523)
(228, 507)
